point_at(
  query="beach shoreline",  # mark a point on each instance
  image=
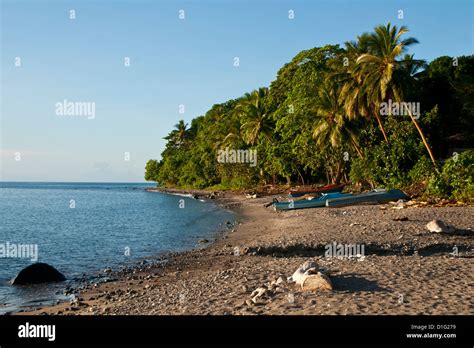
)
(406, 269)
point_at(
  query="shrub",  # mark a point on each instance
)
(422, 170)
(438, 186)
(388, 164)
(456, 179)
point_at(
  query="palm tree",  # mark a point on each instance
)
(332, 126)
(217, 118)
(225, 130)
(354, 94)
(178, 136)
(408, 75)
(255, 119)
(232, 138)
(383, 75)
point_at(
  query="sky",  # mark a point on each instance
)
(48, 57)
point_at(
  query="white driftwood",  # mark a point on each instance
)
(257, 293)
(309, 267)
(310, 277)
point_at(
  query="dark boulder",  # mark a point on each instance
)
(38, 273)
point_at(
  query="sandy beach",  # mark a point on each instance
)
(405, 269)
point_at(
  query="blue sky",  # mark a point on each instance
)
(172, 62)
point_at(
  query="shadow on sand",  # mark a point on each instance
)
(352, 283)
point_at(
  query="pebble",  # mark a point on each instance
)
(439, 226)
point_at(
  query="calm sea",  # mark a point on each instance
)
(82, 228)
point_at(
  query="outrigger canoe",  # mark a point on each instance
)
(310, 203)
(338, 199)
(373, 197)
(325, 189)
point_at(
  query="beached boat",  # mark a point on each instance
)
(325, 189)
(373, 197)
(310, 203)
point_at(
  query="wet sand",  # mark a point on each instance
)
(406, 269)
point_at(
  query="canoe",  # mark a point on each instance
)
(373, 197)
(325, 189)
(313, 203)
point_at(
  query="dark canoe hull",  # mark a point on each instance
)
(324, 189)
(373, 197)
(314, 203)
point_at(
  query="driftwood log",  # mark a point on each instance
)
(309, 277)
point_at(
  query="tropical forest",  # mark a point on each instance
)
(339, 114)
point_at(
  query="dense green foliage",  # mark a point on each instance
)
(321, 121)
(456, 179)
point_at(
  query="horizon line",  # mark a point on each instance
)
(80, 182)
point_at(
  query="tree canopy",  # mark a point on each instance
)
(320, 120)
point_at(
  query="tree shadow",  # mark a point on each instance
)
(302, 250)
(463, 233)
(354, 283)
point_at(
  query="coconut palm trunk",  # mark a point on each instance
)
(423, 138)
(379, 121)
(301, 176)
(339, 172)
(359, 152)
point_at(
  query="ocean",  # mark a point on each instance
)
(83, 228)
